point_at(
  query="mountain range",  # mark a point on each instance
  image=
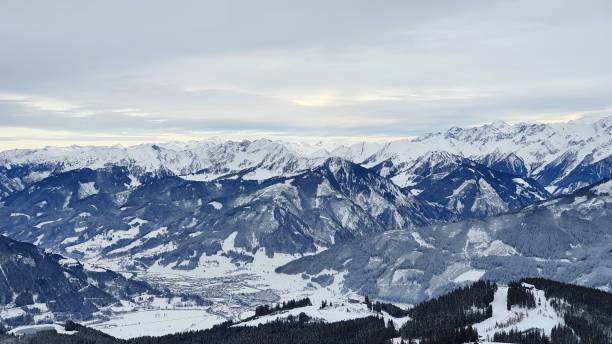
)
(567, 238)
(405, 220)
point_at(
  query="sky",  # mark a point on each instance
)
(107, 72)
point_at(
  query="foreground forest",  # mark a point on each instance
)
(585, 316)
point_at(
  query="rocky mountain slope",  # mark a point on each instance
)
(465, 188)
(89, 213)
(567, 238)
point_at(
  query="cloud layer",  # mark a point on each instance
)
(76, 71)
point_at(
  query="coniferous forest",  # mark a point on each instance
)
(440, 319)
(518, 295)
(291, 304)
(587, 312)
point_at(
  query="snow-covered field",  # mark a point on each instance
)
(157, 322)
(31, 329)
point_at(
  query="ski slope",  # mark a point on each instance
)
(543, 316)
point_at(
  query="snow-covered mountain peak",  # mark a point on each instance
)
(547, 152)
(436, 157)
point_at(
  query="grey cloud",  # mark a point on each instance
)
(318, 67)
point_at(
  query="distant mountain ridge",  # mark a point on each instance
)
(552, 154)
(561, 156)
(466, 188)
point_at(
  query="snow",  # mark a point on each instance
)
(167, 247)
(87, 189)
(603, 188)
(542, 317)
(470, 276)
(228, 243)
(521, 182)
(68, 261)
(259, 174)
(136, 243)
(21, 214)
(420, 241)
(8, 313)
(229, 285)
(80, 229)
(157, 322)
(478, 239)
(499, 248)
(41, 224)
(39, 239)
(70, 240)
(31, 329)
(401, 276)
(488, 199)
(342, 311)
(216, 205)
(535, 144)
(93, 246)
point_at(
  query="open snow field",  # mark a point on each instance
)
(157, 322)
(32, 329)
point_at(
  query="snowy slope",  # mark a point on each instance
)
(97, 214)
(533, 149)
(543, 317)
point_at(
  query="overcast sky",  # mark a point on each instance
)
(134, 71)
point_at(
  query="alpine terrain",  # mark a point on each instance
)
(195, 234)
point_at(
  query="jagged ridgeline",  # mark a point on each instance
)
(282, 196)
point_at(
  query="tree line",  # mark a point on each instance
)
(291, 304)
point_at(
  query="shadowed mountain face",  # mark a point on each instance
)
(91, 212)
(466, 189)
(32, 278)
(108, 212)
(567, 238)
